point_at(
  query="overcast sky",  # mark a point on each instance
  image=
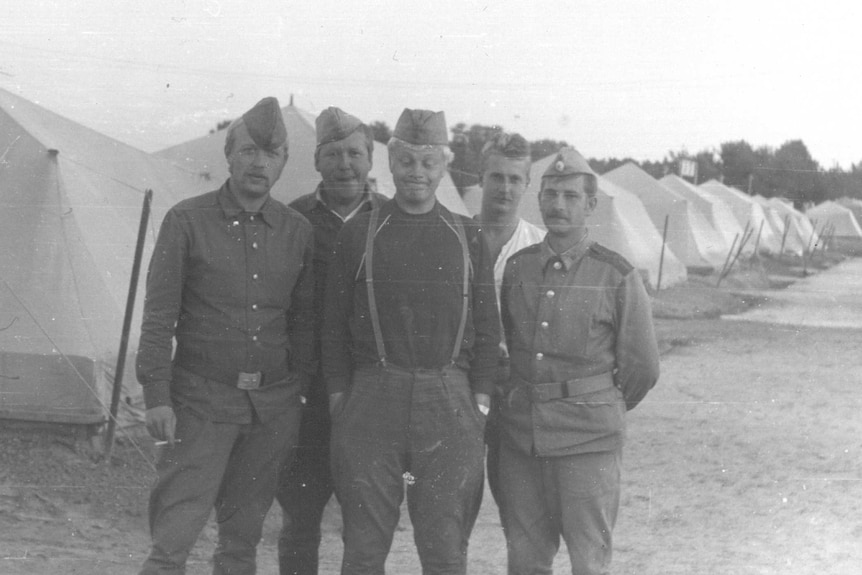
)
(616, 79)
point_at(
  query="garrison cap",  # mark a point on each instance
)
(569, 162)
(335, 124)
(265, 124)
(507, 145)
(422, 128)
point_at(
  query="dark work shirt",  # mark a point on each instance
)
(234, 289)
(326, 225)
(576, 315)
(418, 277)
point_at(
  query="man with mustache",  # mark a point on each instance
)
(343, 157)
(583, 351)
(231, 282)
(411, 332)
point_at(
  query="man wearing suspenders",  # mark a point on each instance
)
(409, 351)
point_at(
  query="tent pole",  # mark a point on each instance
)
(661, 258)
(757, 241)
(784, 236)
(727, 259)
(127, 323)
(742, 243)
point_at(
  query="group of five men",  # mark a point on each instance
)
(372, 347)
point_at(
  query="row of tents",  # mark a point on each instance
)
(70, 207)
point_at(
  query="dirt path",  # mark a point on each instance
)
(745, 459)
(832, 298)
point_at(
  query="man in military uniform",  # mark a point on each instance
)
(583, 351)
(343, 157)
(411, 333)
(230, 280)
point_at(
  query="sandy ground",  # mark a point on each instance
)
(745, 459)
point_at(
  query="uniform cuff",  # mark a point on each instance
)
(485, 386)
(157, 394)
(336, 385)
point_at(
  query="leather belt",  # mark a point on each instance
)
(543, 392)
(239, 379)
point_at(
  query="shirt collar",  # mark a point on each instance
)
(366, 198)
(231, 208)
(568, 258)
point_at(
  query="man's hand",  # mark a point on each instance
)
(335, 403)
(162, 423)
(483, 400)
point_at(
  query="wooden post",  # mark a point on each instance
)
(127, 324)
(757, 241)
(661, 258)
(727, 260)
(784, 236)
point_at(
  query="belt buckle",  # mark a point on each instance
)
(248, 381)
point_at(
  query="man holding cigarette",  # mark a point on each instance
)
(230, 280)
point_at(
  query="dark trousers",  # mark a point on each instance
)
(573, 496)
(492, 437)
(230, 467)
(420, 428)
(305, 487)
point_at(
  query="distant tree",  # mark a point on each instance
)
(792, 173)
(739, 161)
(709, 165)
(381, 131)
(543, 148)
(467, 146)
(221, 126)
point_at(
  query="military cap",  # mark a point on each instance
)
(422, 128)
(569, 162)
(507, 145)
(265, 124)
(335, 124)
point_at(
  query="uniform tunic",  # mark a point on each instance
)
(581, 314)
(582, 348)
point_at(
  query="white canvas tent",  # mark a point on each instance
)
(716, 212)
(749, 214)
(854, 205)
(689, 235)
(70, 207)
(843, 229)
(801, 228)
(620, 223)
(205, 155)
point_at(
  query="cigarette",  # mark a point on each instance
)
(167, 442)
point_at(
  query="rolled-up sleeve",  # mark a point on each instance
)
(637, 357)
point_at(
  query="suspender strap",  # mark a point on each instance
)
(457, 227)
(369, 284)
